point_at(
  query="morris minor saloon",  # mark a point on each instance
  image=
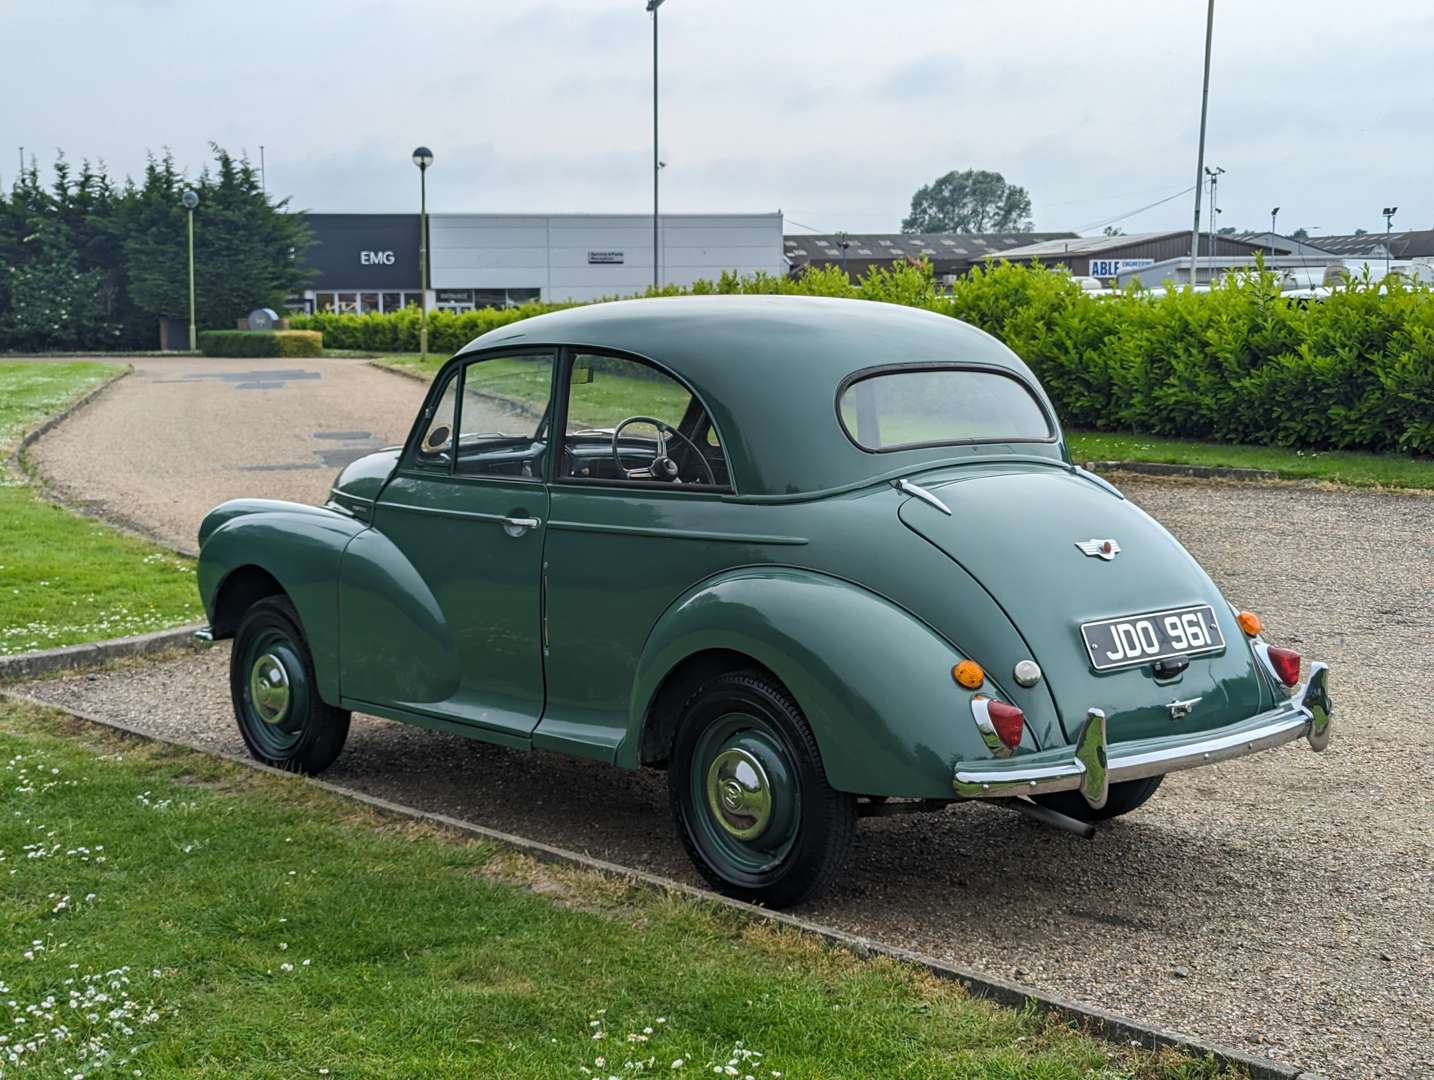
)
(815, 558)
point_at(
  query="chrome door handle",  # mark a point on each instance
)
(517, 526)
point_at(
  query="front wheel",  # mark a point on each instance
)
(750, 797)
(1122, 799)
(282, 719)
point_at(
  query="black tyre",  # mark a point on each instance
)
(750, 796)
(1122, 799)
(281, 717)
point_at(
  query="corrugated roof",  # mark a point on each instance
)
(1405, 244)
(804, 248)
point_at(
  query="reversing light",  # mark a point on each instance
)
(1286, 664)
(1250, 623)
(969, 674)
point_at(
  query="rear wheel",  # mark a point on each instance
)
(750, 796)
(1122, 799)
(282, 719)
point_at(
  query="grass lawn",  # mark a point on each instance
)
(1336, 466)
(64, 578)
(246, 925)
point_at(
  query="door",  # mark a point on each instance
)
(441, 601)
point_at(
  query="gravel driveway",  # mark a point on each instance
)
(1284, 903)
(182, 433)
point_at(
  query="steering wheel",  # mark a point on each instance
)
(662, 467)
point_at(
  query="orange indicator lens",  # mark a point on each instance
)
(969, 674)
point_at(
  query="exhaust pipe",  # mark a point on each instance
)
(1047, 816)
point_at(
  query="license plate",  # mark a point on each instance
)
(1141, 639)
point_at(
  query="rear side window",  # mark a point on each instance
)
(899, 408)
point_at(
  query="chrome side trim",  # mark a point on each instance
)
(916, 491)
(1092, 765)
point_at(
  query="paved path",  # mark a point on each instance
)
(1284, 903)
(162, 446)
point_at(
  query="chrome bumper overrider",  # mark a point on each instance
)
(1092, 765)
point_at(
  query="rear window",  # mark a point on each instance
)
(888, 410)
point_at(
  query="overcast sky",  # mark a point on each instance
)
(833, 111)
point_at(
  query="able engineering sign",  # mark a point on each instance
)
(1114, 267)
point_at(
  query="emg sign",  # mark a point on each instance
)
(376, 258)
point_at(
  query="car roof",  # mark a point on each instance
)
(768, 369)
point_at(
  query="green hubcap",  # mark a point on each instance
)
(739, 793)
(269, 689)
(746, 796)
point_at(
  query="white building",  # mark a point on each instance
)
(369, 262)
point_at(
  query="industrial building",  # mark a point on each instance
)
(370, 262)
(950, 254)
(1108, 257)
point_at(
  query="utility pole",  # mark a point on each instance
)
(652, 6)
(1200, 156)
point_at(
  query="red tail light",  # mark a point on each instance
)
(1286, 663)
(1009, 720)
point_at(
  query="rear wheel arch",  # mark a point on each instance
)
(664, 712)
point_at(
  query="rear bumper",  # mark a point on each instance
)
(1092, 765)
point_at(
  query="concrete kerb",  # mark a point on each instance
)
(1101, 1023)
(1206, 472)
(95, 654)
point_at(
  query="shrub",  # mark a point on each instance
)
(1240, 363)
(261, 343)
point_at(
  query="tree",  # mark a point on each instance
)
(1113, 230)
(969, 202)
(1300, 234)
(1226, 230)
(1361, 232)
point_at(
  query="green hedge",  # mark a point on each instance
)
(1240, 363)
(261, 343)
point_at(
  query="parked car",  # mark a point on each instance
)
(816, 558)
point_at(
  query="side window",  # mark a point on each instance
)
(630, 422)
(503, 416)
(435, 446)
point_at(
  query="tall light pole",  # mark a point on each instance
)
(190, 199)
(1214, 175)
(652, 6)
(423, 157)
(1273, 214)
(1200, 156)
(1388, 212)
(843, 242)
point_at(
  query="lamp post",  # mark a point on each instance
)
(1388, 212)
(190, 199)
(843, 242)
(1273, 214)
(1200, 155)
(423, 157)
(652, 6)
(1214, 175)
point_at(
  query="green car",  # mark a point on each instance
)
(816, 558)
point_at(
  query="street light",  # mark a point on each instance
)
(652, 6)
(423, 157)
(190, 199)
(843, 242)
(1214, 175)
(1388, 212)
(1273, 214)
(1200, 155)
